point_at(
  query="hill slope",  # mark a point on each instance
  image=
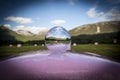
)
(8, 35)
(97, 28)
(24, 32)
(104, 32)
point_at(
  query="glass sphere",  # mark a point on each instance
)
(58, 40)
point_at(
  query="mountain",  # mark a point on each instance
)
(43, 32)
(7, 35)
(102, 32)
(24, 32)
(96, 28)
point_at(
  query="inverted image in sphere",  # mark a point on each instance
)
(58, 39)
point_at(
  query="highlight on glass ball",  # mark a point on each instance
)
(58, 40)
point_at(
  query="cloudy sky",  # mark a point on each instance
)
(36, 15)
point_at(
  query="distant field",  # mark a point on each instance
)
(108, 50)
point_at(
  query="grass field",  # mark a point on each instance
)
(6, 51)
(108, 50)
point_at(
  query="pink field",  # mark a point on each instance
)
(41, 65)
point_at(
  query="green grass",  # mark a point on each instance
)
(6, 51)
(108, 50)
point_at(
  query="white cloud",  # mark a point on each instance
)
(58, 22)
(7, 26)
(33, 29)
(93, 13)
(20, 20)
(112, 14)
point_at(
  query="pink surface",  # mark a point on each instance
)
(58, 48)
(69, 66)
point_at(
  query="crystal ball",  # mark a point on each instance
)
(58, 40)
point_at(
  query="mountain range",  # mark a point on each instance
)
(24, 32)
(7, 34)
(98, 28)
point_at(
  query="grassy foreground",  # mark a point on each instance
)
(108, 50)
(6, 51)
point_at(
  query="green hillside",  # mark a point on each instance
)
(104, 27)
(8, 35)
(103, 32)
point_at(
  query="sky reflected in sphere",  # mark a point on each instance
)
(58, 40)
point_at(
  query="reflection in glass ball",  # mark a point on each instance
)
(58, 40)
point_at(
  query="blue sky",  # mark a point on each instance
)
(36, 15)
